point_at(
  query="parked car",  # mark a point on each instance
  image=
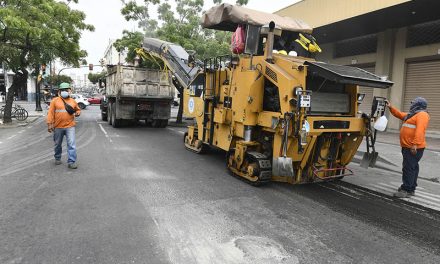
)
(95, 100)
(81, 100)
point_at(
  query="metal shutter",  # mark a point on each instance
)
(365, 107)
(423, 79)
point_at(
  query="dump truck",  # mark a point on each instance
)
(279, 116)
(134, 93)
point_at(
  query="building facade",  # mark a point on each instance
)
(5, 82)
(397, 39)
(112, 56)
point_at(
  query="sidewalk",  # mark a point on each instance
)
(390, 157)
(33, 115)
(386, 177)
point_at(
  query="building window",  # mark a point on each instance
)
(356, 46)
(423, 34)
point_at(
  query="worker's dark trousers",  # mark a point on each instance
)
(410, 169)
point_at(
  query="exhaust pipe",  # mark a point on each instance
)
(270, 30)
(269, 42)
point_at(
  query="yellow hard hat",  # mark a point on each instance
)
(283, 52)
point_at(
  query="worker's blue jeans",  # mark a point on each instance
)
(58, 135)
(410, 169)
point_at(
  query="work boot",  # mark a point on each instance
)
(57, 162)
(410, 193)
(402, 194)
(72, 166)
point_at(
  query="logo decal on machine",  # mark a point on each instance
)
(191, 105)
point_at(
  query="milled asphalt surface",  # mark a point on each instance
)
(139, 197)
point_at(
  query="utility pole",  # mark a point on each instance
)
(5, 73)
(37, 90)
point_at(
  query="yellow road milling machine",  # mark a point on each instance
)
(277, 113)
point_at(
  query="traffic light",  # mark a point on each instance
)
(2, 84)
(43, 69)
(90, 67)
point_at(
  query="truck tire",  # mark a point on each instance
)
(109, 113)
(115, 122)
(155, 123)
(164, 123)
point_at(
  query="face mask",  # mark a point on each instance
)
(64, 94)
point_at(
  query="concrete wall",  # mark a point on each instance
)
(390, 60)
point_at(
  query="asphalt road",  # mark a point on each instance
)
(139, 197)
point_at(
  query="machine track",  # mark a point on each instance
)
(256, 170)
(203, 148)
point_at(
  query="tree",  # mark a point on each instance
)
(95, 77)
(180, 26)
(34, 33)
(57, 79)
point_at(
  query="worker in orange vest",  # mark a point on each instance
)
(412, 141)
(61, 121)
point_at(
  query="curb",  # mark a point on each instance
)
(398, 145)
(357, 160)
(380, 158)
(16, 124)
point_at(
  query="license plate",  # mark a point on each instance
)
(144, 107)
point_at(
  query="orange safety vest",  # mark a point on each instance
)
(57, 114)
(413, 129)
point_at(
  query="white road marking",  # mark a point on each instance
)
(175, 130)
(421, 197)
(369, 192)
(103, 130)
(357, 198)
(105, 133)
(394, 183)
(1, 142)
(11, 137)
(354, 192)
(155, 222)
(21, 131)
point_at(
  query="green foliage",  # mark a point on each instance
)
(130, 41)
(38, 31)
(180, 26)
(57, 79)
(34, 32)
(238, 2)
(95, 77)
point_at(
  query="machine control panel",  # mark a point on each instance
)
(378, 106)
(305, 100)
(304, 97)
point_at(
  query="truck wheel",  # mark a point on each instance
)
(109, 113)
(115, 122)
(164, 123)
(156, 123)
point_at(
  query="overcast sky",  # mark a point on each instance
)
(109, 23)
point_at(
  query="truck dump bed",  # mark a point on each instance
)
(133, 82)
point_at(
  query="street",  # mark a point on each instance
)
(138, 196)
